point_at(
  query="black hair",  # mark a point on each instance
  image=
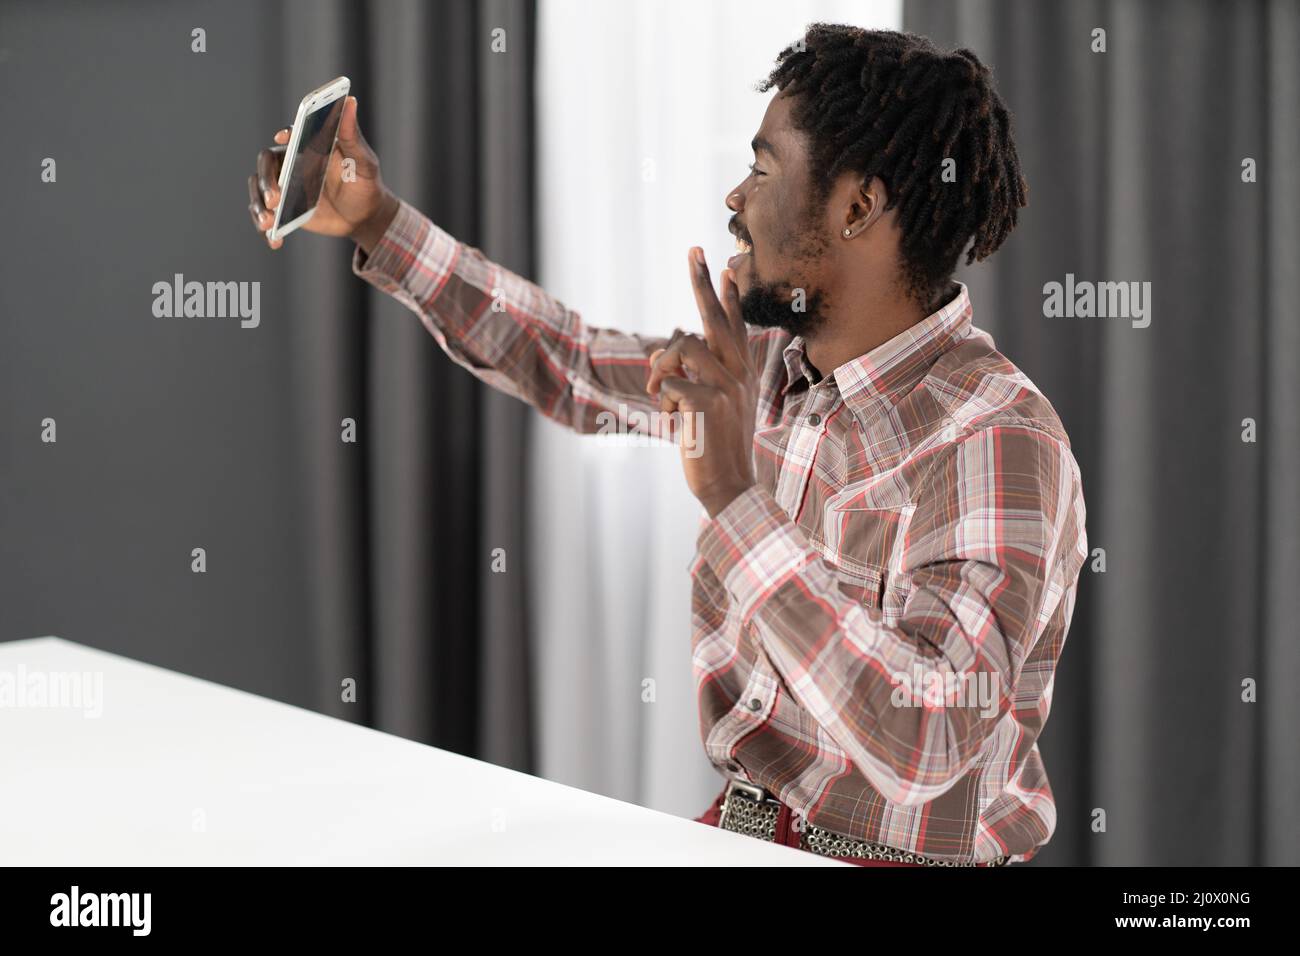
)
(888, 104)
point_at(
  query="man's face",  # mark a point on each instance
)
(784, 228)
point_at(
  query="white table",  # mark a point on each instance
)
(180, 771)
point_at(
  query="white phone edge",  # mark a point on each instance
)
(335, 89)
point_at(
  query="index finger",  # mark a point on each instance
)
(717, 326)
(731, 305)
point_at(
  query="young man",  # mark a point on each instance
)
(895, 521)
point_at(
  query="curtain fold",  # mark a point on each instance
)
(1134, 162)
(403, 523)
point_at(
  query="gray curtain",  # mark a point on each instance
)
(403, 533)
(325, 560)
(1134, 162)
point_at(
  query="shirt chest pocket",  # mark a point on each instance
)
(866, 547)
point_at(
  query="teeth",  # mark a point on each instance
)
(742, 246)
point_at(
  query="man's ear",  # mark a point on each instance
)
(866, 207)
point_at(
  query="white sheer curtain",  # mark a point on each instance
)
(645, 113)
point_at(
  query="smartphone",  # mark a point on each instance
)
(306, 160)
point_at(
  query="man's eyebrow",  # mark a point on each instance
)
(758, 143)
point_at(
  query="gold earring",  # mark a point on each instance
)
(847, 233)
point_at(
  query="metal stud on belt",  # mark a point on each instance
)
(750, 810)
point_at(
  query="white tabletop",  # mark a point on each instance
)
(174, 770)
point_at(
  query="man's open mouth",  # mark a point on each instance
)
(743, 249)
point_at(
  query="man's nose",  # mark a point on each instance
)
(736, 200)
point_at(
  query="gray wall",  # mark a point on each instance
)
(172, 433)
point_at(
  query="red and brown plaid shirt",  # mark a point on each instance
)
(876, 623)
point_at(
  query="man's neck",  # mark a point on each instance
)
(860, 323)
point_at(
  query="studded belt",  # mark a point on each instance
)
(753, 811)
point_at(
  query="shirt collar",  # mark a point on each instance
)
(876, 381)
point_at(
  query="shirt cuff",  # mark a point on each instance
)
(753, 548)
(412, 252)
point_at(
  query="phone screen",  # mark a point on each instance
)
(307, 175)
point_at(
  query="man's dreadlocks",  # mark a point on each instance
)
(880, 103)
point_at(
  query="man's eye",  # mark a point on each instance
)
(756, 171)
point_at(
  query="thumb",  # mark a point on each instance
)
(350, 139)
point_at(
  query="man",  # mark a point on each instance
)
(895, 520)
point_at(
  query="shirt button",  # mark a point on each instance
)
(814, 419)
(755, 704)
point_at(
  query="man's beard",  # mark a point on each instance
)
(771, 305)
(774, 305)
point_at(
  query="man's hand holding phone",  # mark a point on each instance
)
(358, 206)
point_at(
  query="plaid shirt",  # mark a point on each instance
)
(876, 623)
